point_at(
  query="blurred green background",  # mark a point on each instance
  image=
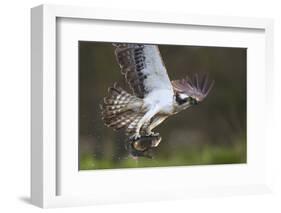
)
(213, 132)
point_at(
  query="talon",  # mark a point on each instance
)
(135, 137)
(152, 134)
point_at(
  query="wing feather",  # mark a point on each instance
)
(143, 68)
(197, 86)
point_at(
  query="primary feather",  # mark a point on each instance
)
(143, 68)
(197, 87)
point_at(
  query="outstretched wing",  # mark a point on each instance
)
(197, 87)
(143, 68)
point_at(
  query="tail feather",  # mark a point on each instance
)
(121, 121)
(131, 128)
(119, 108)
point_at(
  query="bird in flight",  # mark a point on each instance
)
(154, 96)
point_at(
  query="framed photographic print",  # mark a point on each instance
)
(149, 106)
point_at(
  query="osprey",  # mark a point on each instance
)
(154, 97)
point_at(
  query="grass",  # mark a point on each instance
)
(182, 157)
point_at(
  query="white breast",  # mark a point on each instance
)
(160, 98)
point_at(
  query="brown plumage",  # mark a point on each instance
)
(120, 109)
(132, 60)
(197, 87)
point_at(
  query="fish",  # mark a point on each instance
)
(143, 146)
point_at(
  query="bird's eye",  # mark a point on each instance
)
(193, 101)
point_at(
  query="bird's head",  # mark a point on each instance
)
(191, 91)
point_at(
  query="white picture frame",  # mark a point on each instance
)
(46, 161)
